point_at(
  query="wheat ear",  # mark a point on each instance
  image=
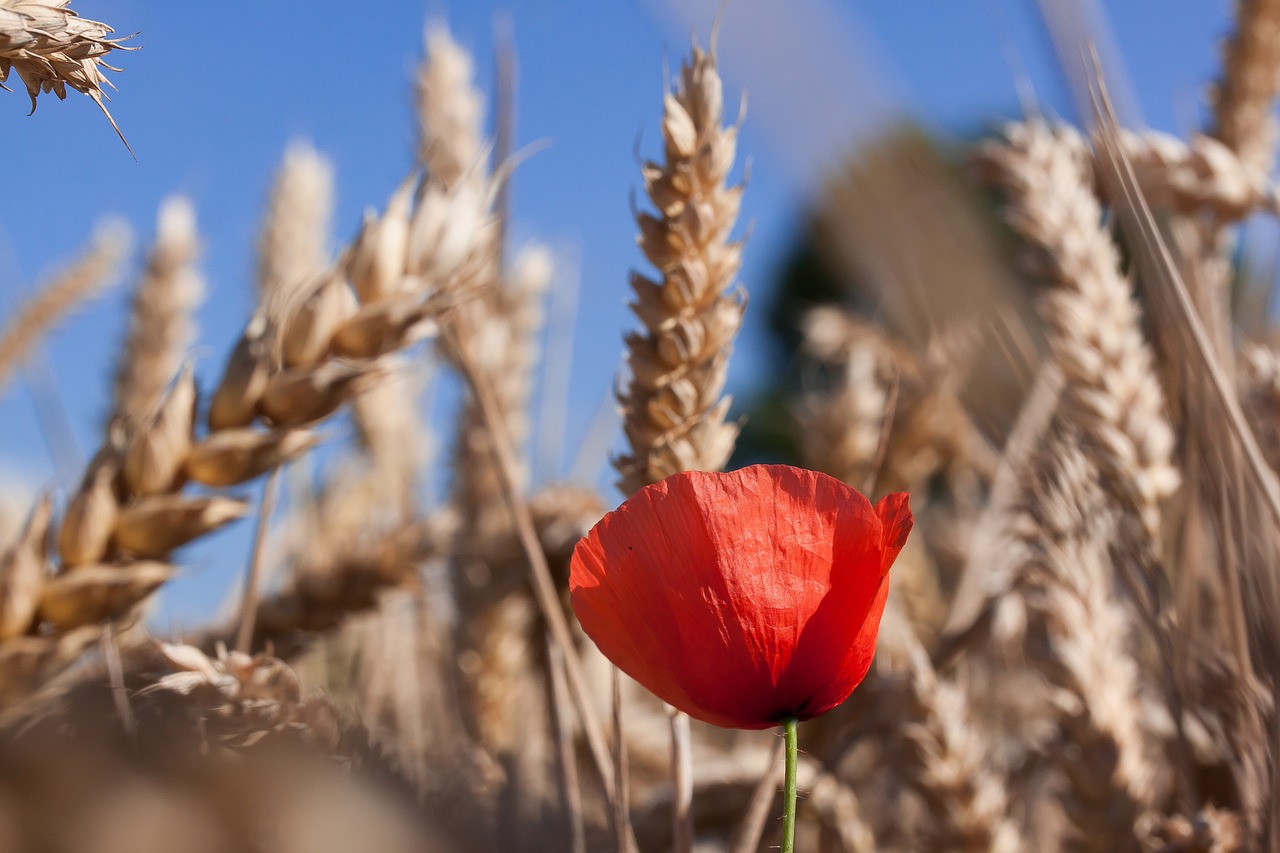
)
(844, 425)
(161, 326)
(292, 246)
(947, 755)
(450, 110)
(673, 411)
(1200, 176)
(672, 408)
(500, 626)
(1259, 376)
(60, 295)
(131, 511)
(1243, 98)
(51, 47)
(1112, 391)
(1069, 583)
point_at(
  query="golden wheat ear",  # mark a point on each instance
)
(61, 294)
(674, 414)
(50, 47)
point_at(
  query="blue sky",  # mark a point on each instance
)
(218, 90)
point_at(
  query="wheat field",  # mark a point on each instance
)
(1049, 338)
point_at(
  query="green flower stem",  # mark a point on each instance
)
(789, 790)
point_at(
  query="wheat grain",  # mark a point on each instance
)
(23, 567)
(153, 459)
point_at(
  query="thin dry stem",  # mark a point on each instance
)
(748, 835)
(567, 758)
(682, 780)
(621, 784)
(253, 577)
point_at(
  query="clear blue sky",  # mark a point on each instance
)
(218, 89)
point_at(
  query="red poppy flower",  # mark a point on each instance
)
(745, 598)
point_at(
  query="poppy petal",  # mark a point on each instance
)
(741, 598)
(896, 520)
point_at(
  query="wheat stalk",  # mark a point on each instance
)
(500, 625)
